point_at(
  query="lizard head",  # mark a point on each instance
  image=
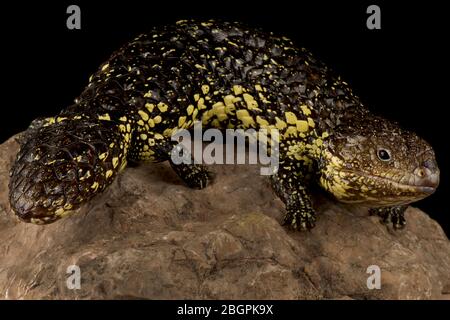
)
(376, 162)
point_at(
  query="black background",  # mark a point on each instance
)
(167, 309)
(400, 71)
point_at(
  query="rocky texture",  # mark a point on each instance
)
(151, 237)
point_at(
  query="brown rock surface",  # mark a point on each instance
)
(151, 237)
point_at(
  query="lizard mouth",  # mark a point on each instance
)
(417, 188)
(382, 191)
(414, 184)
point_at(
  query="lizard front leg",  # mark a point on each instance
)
(194, 175)
(395, 215)
(289, 183)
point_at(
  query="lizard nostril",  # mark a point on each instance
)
(420, 173)
(423, 172)
(427, 175)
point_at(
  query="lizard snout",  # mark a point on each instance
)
(427, 176)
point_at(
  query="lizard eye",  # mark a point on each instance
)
(383, 154)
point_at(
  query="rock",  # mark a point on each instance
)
(151, 237)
